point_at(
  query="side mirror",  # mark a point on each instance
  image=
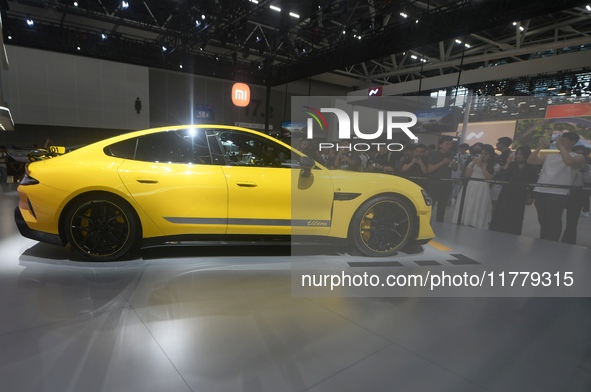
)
(306, 164)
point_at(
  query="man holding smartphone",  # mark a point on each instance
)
(415, 166)
(557, 169)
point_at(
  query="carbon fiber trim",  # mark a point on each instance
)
(346, 195)
(249, 222)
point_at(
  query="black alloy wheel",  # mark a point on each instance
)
(382, 226)
(101, 228)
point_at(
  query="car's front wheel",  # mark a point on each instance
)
(382, 226)
(101, 227)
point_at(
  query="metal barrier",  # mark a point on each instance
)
(465, 181)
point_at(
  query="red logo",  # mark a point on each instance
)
(374, 91)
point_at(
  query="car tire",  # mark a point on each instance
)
(382, 226)
(102, 227)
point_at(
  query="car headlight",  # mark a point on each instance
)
(428, 200)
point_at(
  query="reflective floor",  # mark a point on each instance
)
(226, 319)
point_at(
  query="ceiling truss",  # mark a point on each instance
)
(365, 41)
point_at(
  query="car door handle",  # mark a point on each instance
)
(145, 180)
(246, 184)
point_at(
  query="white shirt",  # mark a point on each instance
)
(556, 172)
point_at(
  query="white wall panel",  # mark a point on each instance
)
(47, 88)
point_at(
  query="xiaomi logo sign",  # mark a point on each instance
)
(240, 94)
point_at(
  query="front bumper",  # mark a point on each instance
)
(36, 235)
(425, 232)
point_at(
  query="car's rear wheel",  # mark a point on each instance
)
(101, 227)
(382, 226)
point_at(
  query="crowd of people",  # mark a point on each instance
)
(487, 187)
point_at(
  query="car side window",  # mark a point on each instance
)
(174, 146)
(124, 149)
(245, 149)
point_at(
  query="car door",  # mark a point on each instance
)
(177, 182)
(263, 179)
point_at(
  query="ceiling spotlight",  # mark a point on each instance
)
(10, 37)
(294, 15)
(181, 66)
(467, 46)
(202, 17)
(77, 47)
(254, 1)
(514, 23)
(588, 7)
(412, 56)
(521, 28)
(124, 5)
(103, 36)
(164, 48)
(75, 4)
(197, 23)
(458, 41)
(30, 22)
(274, 8)
(404, 15)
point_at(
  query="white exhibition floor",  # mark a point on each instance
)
(229, 319)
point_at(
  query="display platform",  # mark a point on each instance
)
(230, 319)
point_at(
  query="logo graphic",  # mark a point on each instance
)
(390, 118)
(240, 94)
(316, 115)
(473, 135)
(375, 92)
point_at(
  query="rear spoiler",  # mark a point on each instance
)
(47, 153)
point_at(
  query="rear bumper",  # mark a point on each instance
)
(36, 235)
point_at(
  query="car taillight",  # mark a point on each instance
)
(28, 180)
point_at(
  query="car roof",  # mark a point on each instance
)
(143, 132)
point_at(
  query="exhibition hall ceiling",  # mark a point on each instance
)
(273, 42)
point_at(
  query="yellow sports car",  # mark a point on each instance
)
(177, 185)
